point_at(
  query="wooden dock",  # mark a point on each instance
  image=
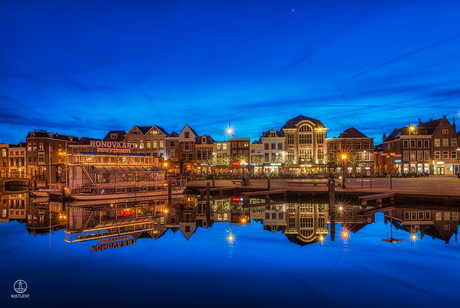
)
(377, 197)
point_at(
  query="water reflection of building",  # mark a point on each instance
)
(440, 224)
(306, 223)
(45, 217)
(13, 206)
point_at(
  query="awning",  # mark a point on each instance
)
(125, 169)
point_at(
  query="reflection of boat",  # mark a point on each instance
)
(38, 200)
(125, 194)
(40, 192)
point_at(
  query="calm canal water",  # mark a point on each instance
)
(227, 256)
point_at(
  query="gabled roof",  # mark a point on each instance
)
(86, 140)
(173, 134)
(162, 130)
(293, 122)
(45, 134)
(143, 129)
(20, 145)
(428, 128)
(120, 135)
(268, 134)
(209, 140)
(352, 133)
(193, 131)
(394, 134)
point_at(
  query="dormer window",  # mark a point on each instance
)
(71, 138)
(272, 134)
(113, 136)
(187, 134)
(51, 135)
(204, 139)
(32, 135)
(154, 132)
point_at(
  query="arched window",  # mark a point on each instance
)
(305, 128)
(305, 134)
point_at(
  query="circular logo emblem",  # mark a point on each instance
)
(20, 286)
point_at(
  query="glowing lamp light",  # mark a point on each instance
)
(166, 211)
(345, 235)
(413, 237)
(344, 156)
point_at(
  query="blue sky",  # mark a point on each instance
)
(84, 68)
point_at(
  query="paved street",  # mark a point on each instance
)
(433, 185)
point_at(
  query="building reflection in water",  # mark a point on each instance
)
(437, 224)
(301, 223)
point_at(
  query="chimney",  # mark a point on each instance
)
(444, 117)
(431, 119)
(419, 121)
(453, 124)
(384, 137)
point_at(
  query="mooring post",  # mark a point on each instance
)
(169, 192)
(208, 193)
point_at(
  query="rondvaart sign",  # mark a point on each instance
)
(113, 245)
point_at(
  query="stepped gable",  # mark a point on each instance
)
(293, 122)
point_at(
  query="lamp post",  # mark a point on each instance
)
(63, 154)
(49, 161)
(344, 158)
(411, 129)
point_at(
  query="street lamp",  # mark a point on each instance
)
(344, 158)
(411, 129)
(63, 154)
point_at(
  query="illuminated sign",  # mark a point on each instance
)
(235, 163)
(237, 199)
(113, 245)
(114, 239)
(112, 144)
(397, 160)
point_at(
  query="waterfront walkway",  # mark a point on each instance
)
(432, 185)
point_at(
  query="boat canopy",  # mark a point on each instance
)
(125, 169)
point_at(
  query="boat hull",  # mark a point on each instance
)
(89, 196)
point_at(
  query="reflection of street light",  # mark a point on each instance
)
(344, 158)
(345, 234)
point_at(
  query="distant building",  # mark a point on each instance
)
(305, 145)
(431, 147)
(4, 162)
(45, 149)
(17, 156)
(206, 158)
(273, 151)
(149, 140)
(358, 149)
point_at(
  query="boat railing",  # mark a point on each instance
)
(139, 186)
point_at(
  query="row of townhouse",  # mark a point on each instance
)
(301, 146)
(430, 147)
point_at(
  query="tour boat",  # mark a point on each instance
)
(108, 194)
